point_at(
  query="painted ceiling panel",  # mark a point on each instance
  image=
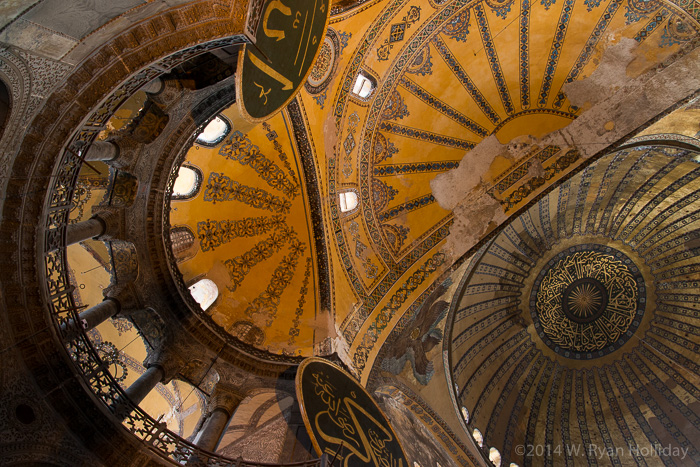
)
(251, 221)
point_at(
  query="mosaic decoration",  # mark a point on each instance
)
(326, 63)
(240, 266)
(395, 234)
(417, 339)
(268, 301)
(677, 31)
(212, 234)
(500, 7)
(638, 9)
(272, 136)
(361, 251)
(421, 64)
(442, 107)
(588, 301)
(349, 143)
(383, 148)
(382, 194)
(490, 48)
(458, 27)
(397, 32)
(395, 108)
(526, 189)
(239, 148)
(294, 331)
(386, 314)
(221, 188)
(390, 170)
(461, 74)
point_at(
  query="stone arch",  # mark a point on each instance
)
(120, 66)
(5, 106)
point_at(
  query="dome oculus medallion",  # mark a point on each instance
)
(587, 301)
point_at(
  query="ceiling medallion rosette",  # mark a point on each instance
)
(588, 301)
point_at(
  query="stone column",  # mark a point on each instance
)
(162, 365)
(102, 151)
(91, 228)
(222, 404)
(94, 316)
(140, 388)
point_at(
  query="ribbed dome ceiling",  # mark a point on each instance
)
(574, 325)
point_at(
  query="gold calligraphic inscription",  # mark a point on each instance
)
(278, 60)
(586, 299)
(338, 412)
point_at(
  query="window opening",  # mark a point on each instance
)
(214, 132)
(204, 292)
(476, 434)
(465, 414)
(495, 457)
(348, 201)
(187, 184)
(364, 86)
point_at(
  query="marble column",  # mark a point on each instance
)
(102, 151)
(94, 316)
(222, 405)
(140, 388)
(93, 227)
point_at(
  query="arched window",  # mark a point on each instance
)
(476, 434)
(495, 457)
(4, 106)
(348, 201)
(204, 292)
(364, 85)
(181, 239)
(187, 184)
(465, 414)
(214, 132)
(513, 464)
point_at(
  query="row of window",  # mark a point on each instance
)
(494, 454)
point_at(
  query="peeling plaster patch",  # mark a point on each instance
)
(474, 217)
(608, 77)
(449, 188)
(627, 105)
(35, 38)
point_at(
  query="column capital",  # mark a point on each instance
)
(170, 362)
(225, 397)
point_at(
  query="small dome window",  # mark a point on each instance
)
(465, 414)
(495, 457)
(348, 201)
(513, 464)
(364, 86)
(214, 132)
(187, 183)
(476, 434)
(204, 292)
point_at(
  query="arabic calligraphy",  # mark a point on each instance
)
(286, 41)
(346, 421)
(586, 301)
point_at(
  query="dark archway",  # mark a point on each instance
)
(5, 101)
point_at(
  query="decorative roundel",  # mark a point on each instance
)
(325, 65)
(587, 301)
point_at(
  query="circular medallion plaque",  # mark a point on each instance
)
(287, 38)
(587, 301)
(338, 411)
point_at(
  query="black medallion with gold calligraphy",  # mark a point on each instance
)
(337, 410)
(587, 301)
(287, 36)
